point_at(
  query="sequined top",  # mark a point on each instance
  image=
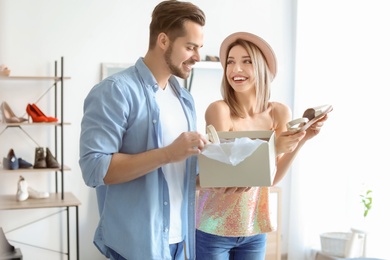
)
(234, 215)
(237, 214)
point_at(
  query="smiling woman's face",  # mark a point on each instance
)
(239, 69)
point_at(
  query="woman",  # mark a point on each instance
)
(232, 222)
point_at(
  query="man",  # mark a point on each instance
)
(138, 144)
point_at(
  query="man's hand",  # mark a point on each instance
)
(186, 145)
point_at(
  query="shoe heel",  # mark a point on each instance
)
(40, 113)
(35, 117)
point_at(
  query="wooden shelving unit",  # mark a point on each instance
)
(55, 200)
(59, 198)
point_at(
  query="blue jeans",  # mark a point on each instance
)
(177, 252)
(213, 247)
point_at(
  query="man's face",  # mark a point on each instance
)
(184, 51)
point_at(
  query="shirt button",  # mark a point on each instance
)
(166, 230)
(154, 121)
(165, 203)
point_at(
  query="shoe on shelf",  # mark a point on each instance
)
(22, 193)
(51, 161)
(9, 116)
(5, 246)
(11, 162)
(4, 70)
(37, 115)
(49, 118)
(40, 160)
(36, 118)
(26, 192)
(23, 164)
(34, 194)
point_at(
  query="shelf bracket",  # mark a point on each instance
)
(18, 126)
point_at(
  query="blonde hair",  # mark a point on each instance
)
(263, 78)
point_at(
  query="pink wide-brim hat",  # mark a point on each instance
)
(264, 47)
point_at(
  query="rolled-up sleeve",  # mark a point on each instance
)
(102, 128)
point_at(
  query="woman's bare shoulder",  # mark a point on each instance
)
(282, 114)
(218, 105)
(218, 114)
(281, 108)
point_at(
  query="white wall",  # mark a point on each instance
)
(35, 33)
(343, 58)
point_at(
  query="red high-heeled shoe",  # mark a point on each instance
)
(40, 113)
(34, 115)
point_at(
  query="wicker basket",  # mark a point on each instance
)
(335, 243)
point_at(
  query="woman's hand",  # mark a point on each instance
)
(315, 129)
(288, 141)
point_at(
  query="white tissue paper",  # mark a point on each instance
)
(232, 152)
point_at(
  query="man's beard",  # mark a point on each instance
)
(175, 70)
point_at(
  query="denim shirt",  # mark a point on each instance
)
(121, 115)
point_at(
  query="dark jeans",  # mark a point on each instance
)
(212, 247)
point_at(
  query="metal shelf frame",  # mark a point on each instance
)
(59, 199)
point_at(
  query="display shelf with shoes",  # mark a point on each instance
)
(44, 162)
(21, 170)
(49, 150)
(11, 121)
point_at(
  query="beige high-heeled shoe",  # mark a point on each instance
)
(9, 116)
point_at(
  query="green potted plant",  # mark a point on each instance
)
(359, 233)
(366, 200)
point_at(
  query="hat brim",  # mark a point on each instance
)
(258, 41)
